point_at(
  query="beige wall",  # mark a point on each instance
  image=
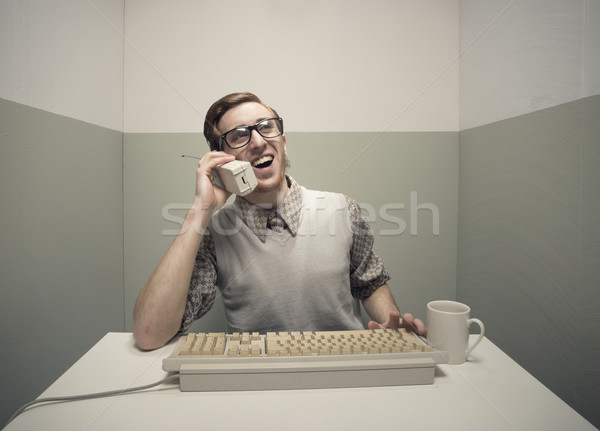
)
(64, 57)
(330, 66)
(519, 57)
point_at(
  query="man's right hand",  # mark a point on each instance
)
(210, 197)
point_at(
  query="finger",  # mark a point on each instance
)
(213, 159)
(374, 325)
(421, 328)
(394, 320)
(414, 325)
(408, 322)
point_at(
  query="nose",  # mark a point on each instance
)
(256, 140)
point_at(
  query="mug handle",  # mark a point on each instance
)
(482, 331)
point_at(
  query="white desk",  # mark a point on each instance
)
(490, 392)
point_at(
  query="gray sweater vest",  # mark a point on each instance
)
(288, 283)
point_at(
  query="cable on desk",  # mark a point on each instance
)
(90, 396)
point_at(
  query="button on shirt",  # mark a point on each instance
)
(366, 270)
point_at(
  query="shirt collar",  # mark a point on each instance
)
(256, 218)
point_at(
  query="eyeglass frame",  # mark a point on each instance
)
(250, 129)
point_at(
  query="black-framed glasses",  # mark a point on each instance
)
(240, 136)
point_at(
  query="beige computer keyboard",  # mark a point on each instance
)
(302, 360)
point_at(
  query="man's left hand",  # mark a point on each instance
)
(395, 321)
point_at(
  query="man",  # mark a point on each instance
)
(284, 258)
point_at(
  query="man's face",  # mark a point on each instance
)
(266, 155)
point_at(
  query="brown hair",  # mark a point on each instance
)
(218, 109)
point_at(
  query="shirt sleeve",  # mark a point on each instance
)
(367, 272)
(202, 291)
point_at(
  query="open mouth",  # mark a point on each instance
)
(263, 162)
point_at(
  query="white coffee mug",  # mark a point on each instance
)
(448, 325)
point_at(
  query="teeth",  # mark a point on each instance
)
(264, 159)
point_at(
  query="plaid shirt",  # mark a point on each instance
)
(366, 270)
